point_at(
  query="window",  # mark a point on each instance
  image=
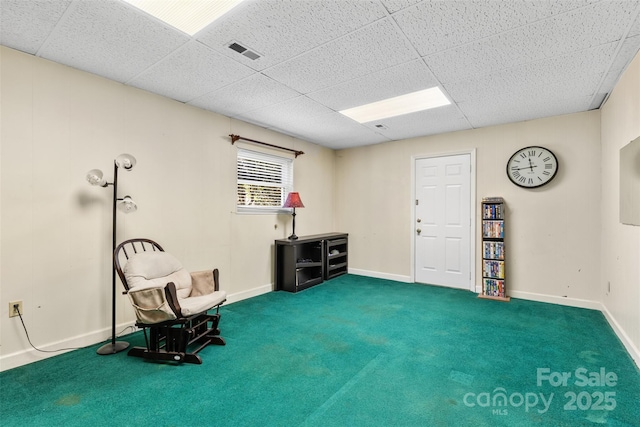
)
(264, 180)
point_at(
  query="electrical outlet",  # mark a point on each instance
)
(15, 307)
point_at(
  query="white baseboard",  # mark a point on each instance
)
(379, 275)
(30, 355)
(24, 357)
(250, 293)
(552, 299)
(622, 335)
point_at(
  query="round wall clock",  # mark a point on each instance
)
(532, 167)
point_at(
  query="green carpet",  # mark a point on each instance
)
(353, 351)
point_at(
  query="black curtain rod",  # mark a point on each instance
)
(234, 138)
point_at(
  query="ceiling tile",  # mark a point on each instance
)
(357, 138)
(421, 123)
(396, 5)
(628, 50)
(25, 25)
(254, 92)
(434, 26)
(500, 60)
(394, 81)
(504, 109)
(373, 48)
(282, 29)
(581, 71)
(304, 118)
(576, 30)
(193, 70)
(635, 28)
(295, 112)
(110, 39)
(336, 131)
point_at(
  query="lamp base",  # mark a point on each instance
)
(292, 237)
(113, 348)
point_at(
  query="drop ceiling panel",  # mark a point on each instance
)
(377, 86)
(336, 127)
(434, 26)
(572, 31)
(373, 48)
(190, 72)
(252, 93)
(356, 138)
(504, 109)
(397, 5)
(25, 25)
(279, 30)
(110, 39)
(581, 71)
(295, 112)
(306, 119)
(526, 91)
(336, 131)
(429, 122)
(635, 28)
(628, 50)
(498, 61)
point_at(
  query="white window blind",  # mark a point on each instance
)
(264, 180)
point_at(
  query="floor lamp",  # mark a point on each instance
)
(127, 205)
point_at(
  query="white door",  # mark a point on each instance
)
(443, 221)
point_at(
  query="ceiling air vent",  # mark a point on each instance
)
(237, 47)
(244, 51)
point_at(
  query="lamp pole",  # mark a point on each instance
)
(114, 346)
(293, 231)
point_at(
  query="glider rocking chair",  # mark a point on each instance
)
(171, 304)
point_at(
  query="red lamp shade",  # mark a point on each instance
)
(293, 201)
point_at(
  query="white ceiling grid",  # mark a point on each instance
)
(498, 61)
(254, 92)
(283, 29)
(189, 72)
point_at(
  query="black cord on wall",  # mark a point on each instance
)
(26, 332)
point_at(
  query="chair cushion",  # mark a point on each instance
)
(156, 269)
(199, 304)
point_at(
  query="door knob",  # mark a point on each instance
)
(419, 220)
(418, 231)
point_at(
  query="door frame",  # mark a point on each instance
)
(473, 211)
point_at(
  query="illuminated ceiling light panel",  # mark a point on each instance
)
(189, 16)
(399, 105)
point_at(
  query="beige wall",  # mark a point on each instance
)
(620, 243)
(552, 232)
(55, 230)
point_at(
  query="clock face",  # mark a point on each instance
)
(532, 167)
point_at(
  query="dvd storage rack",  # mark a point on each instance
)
(493, 253)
